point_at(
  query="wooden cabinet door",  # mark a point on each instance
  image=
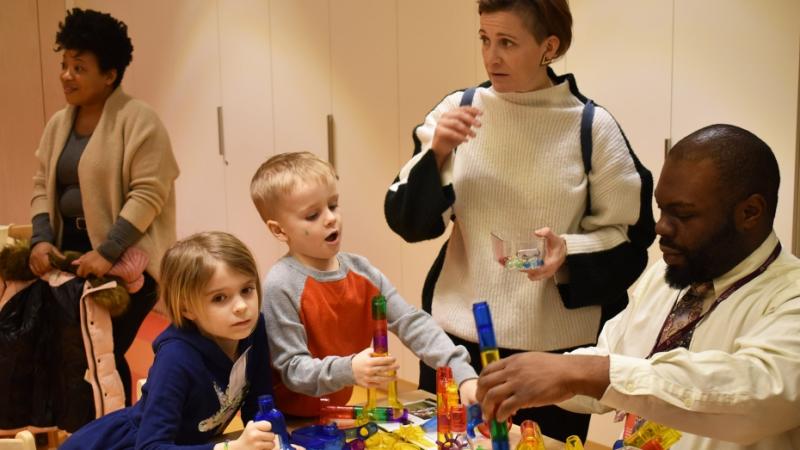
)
(176, 70)
(736, 62)
(247, 107)
(301, 75)
(29, 71)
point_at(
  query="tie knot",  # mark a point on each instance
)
(701, 289)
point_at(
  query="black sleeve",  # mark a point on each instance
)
(414, 207)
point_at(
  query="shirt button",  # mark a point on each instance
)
(629, 385)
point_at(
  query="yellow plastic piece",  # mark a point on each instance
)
(381, 441)
(573, 443)
(649, 431)
(414, 434)
(531, 437)
(372, 395)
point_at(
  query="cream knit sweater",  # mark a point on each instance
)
(127, 170)
(523, 171)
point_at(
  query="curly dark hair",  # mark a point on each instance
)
(101, 34)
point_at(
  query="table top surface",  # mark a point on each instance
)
(406, 397)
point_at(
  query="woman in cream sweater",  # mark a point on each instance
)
(106, 172)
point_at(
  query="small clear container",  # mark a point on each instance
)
(518, 252)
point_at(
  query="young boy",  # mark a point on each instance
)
(317, 301)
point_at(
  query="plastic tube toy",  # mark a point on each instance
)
(489, 354)
(329, 413)
(268, 412)
(530, 436)
(319, 437)
(380, 346)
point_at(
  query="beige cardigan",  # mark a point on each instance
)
(127, 169)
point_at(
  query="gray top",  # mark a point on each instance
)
(300, 372)
(69, 187)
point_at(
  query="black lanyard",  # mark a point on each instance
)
(673, 340)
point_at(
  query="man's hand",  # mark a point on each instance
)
(532, 379)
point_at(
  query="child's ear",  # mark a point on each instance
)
(275, 228)
(189, 315)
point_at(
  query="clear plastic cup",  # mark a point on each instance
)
(518, 252)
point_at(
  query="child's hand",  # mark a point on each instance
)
(256, 436)
(467, 391)
(375, 371)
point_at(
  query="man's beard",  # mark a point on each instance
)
(707, 262)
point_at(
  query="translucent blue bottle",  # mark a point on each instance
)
(268, 412)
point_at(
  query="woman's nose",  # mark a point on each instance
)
(490, 55)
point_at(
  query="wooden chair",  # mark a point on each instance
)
(23, 440)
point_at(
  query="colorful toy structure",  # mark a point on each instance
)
(653, 436)
(380, 346)
(489, 354)
(451, 415)
(361, 414)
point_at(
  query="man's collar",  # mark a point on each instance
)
(747, 265)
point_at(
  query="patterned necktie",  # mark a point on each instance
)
(687, 309)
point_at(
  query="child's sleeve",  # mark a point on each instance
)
(288, 342)
(167, 387)
(418, 331)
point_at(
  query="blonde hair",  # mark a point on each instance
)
(190, 264)
(280, 174)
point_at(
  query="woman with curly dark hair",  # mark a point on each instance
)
(105, 182)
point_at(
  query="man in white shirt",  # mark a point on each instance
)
(710, 341)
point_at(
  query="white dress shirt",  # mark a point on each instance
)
(738, 384)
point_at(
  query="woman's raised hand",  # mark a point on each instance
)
(453, 129)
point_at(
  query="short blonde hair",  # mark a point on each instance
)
(189, 265)
(280, 174)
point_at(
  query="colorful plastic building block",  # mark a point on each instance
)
(489, 354)
(329, 413)
(380, 346)
(268, 412)
(319, 437)
(530, 436)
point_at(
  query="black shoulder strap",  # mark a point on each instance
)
(586, 147)
(466, 99)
